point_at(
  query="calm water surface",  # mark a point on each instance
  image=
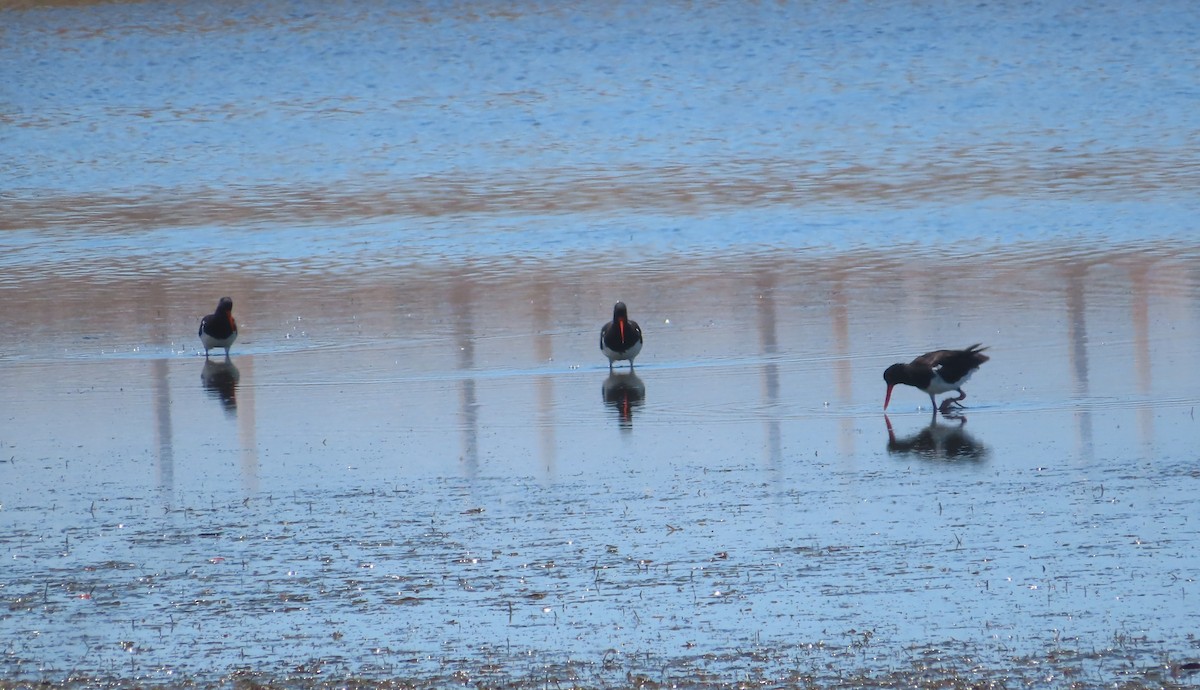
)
(416, 464)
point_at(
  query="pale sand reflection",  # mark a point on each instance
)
(839, 313)
(1077, 336)
(540, 296)
(165, 466)
(1140, 319)
(768, 337)
(247, 425)
(463, 301)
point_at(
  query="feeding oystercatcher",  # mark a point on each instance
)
(218, 329)
(940, 371)
(620, 339)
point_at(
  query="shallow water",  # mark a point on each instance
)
(417, 465)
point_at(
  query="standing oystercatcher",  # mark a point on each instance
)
(940, 371)
(218, 329)
(620, 338)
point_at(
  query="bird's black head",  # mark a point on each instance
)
(225, 305)
(894, 374)
(620, 312)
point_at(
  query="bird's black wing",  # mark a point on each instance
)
(637, 331)
(952, 365)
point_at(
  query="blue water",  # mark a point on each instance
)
(131, 98)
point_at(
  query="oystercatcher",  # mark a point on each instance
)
(218, 329)
(940, 371)
(620, 339)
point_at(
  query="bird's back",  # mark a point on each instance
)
(218, 325)
(953, 365)
(620, 336)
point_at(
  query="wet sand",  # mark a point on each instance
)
(431, 476)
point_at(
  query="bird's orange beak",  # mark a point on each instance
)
(887, 398)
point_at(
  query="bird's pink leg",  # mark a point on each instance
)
(953, 401)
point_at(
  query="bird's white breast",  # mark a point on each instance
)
(937, 385)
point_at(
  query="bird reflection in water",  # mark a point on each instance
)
(623, 392)
(220, 379)
(941, 442)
